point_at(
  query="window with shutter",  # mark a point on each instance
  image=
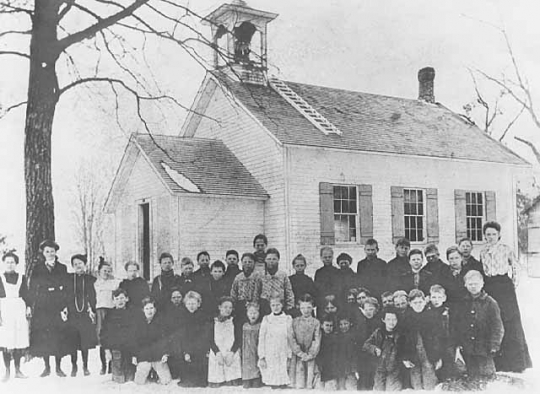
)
(415, 214)
(473, 209)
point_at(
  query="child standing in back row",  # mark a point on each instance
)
(305, 345)
(135, 286)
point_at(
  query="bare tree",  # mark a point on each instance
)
(515, 87)
(60, 34)
(89, 194)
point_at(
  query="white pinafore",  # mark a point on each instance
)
(14, 328)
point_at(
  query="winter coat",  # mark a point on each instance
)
(372, 274)
(479, 328)
(118, 329)
(136, 289)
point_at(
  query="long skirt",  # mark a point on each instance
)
(514, 355)
(47, 333)
(81, 332)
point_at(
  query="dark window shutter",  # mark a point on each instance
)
(326, 198)
(432, 212)
(461, 214)
(365, 199)
(398, 213)
(491, 206)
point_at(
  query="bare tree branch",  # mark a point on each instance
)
(22, 32)
(15, 53)
(7, 8)
(531, 146)
(510, 124)
(11, 108)
(103, 24)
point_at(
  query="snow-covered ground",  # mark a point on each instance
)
(529, 298)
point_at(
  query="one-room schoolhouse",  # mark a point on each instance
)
(306, 165)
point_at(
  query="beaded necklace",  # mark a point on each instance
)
(75, 291)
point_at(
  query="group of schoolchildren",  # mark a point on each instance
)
(386, 327)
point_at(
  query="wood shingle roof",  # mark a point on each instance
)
(197, 165)
(370, 122)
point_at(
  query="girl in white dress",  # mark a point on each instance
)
(275, 351)
(13, 315)
(224, 363)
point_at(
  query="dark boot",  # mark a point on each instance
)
(74, 370)
(59, 371)
(17, 360)
(47, 370)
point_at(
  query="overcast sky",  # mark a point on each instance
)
(374, 46)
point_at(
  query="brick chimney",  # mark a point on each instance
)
(426, 77)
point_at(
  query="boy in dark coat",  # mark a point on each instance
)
(400, 263)
(300, 282)
(384, 344)
(347, 278)
(151, 347)
(326, 359)
(135, 286)
(365, 323)
(479, 328)
(219, 287)
(203, 259)
(372, 271)
(441, 272)
(414, 277)
(165, 281)
(117, 337)
(327, 277)
(232, 258)
(346, 362)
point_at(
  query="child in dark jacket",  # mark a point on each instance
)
(417, 355)
(117, 337)
(365, 324)
(327, 277)
(300, 282)
(151, 350)
(165, 281)
(135, 286)
(438, 339)
(385, 343)
(327, 358)
(479, 328)
(193, 343)
(346, 362)
(347, 278)
(219, 287)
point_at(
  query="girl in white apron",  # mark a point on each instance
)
(13, 315)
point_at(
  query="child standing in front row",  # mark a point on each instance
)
(117, 337)
(251, 375)
(274, 345)
(326, 359)
(346, 354)
(305, 345)
(224, 365)
(384, 344)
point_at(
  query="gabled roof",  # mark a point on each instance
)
(197, 165)
(370, 122)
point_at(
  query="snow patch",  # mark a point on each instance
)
(181, 180)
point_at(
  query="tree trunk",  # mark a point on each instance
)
(40, 110)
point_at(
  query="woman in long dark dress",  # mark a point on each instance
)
(500, 272)
(48, 303)
(81, 313)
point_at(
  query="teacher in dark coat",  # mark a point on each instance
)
(48, 303)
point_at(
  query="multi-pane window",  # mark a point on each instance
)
(414, 209)
(345, 213)
(474, 206)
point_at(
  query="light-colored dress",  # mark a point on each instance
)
(275, 347)
(306, 342)
(250, 358)
(14, 328)
(218, 370)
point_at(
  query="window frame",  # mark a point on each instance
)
(424, 214)
(483, 217)
(357, 215)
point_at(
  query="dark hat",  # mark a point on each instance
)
(81, 257)
(48, 243)
(344, 256)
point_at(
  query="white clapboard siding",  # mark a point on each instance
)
(258, 152)
(309, 166)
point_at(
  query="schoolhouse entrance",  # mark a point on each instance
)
(144, 239)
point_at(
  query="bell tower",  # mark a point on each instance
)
(239, 35)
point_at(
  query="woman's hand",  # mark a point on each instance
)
(92, 316)
(108, 355)
(165, 358)
(408, 364)
(262, 363)
(64, 314)
(28, 312)
(219, 358)
(187, 358)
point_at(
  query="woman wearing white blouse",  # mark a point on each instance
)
(500, 269)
